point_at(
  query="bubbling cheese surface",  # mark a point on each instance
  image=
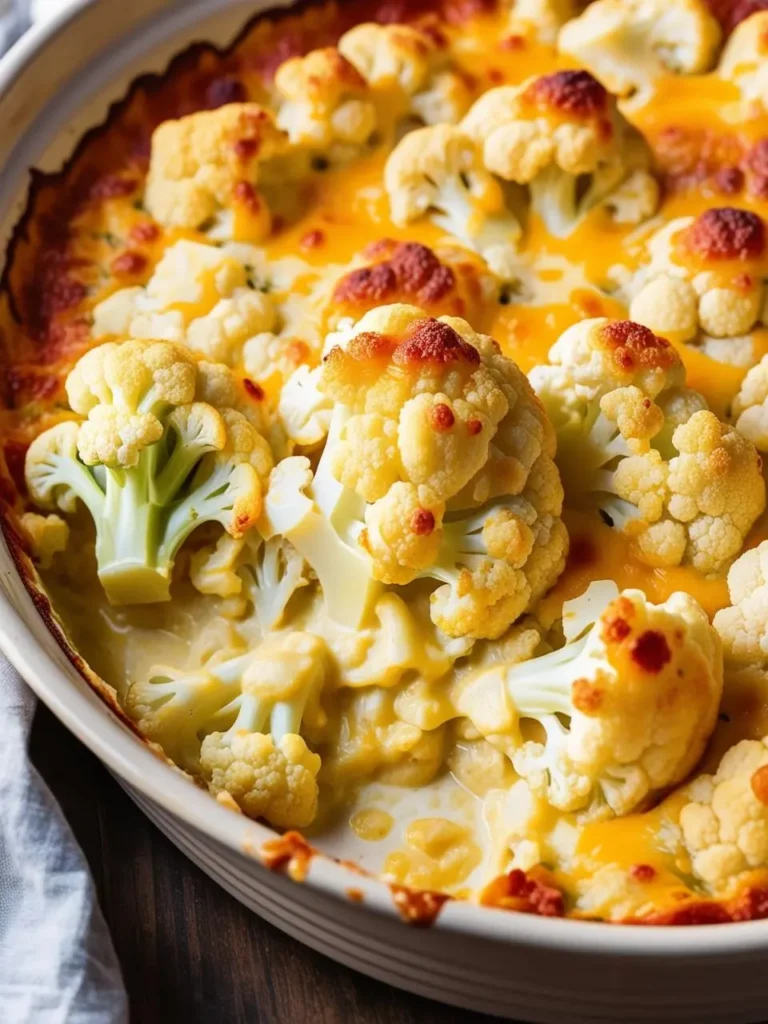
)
(427, 821)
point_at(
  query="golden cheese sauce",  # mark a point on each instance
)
(113, 244)
(371, 825)
(438, 854)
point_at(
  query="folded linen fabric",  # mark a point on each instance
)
(57, 962)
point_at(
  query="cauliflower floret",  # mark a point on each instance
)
(541, 19)
(430, 423)
(261, 761)
(716, 490)
(415, 65)
(445, 100)
(627, 707)
(704, 278)
(266, 573)
(277, 782)
(325, 103)
(439, 172)
(749, 409)
(742, 626)
(272, 358)
(198, 296)
(370, 740)
(150, 463)
(293, 338)
(638, 445)
(634, 200)
(215, 570)
(445, 281)
(519, 821)
(208, 164)
(744, 61)
(629, 44)
(225, 302)
(725, 825)
(596, 356)
(303, 411)
(561, 135)
(48, 536)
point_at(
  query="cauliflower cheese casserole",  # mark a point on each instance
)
(385, 400)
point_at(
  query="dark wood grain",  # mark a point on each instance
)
(189, 951)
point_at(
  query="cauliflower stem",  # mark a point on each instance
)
(149, 463)
(269, 694)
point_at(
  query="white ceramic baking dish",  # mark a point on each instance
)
(57, 83)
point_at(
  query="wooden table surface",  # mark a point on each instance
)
(190, 952)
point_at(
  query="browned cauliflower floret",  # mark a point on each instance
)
(645, 450)
(561, 135)
(600, 355)
(325, 103)
(624, 708)
(744, 62)
(725, 825)
(443, 441)
(412, 64)
(205, 169)
(640, 696)
(629, 44)
(703, 282)
(447, 280)
(437, 465)
(439, 172)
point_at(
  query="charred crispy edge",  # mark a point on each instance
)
(432, 341)
(534, 892)
(337, 69)
(419, 908)
(573, 92)
(726, 233)
(289, 853)
(407, 268)
(636, 346)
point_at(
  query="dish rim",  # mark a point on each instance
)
(85, 714)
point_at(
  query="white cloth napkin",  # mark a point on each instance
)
(57, 962)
